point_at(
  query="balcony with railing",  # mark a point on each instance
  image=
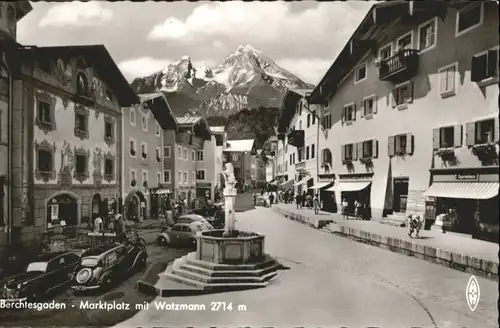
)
(400, 67)
(85, 96)
(296, 138)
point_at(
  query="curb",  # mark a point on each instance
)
(461, 262)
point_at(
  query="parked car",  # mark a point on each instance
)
(182, 234)
(41, 278)
(102, 266)
(190, 218)
(214, 214)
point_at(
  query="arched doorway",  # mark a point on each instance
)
(136, 206)
(96, 206)
(62, 210)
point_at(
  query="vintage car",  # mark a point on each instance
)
(41, 278)
(182, 234)
(101, 267)
(190, 218)
(213, 213)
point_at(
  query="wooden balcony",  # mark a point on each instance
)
(400, 67)
(183, 138)
(85, 96)
(300, 165)
(296, 138)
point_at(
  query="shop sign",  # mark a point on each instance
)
(203, 184)
(466, 177)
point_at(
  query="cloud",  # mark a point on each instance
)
(268, 22)
(309, 70)
(76, 14)
(144, 66)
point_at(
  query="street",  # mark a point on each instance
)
(333, 281)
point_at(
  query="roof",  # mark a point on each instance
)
(49, 256)
(217, 129)
(302, 92)
(99, 57)
(23, 8)
(188, 120)
(359, 43)
(158, 104)
(240, 145)
(195, 122)
(287, 110)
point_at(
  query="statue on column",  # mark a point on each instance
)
(229, 199)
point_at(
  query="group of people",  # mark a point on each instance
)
(307, 200)
(361, 210)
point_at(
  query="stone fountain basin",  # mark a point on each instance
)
(246, 248)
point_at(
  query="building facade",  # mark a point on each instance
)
(220, 134)
(240, 154)
(207, 170)
(418, 107)
(70, 100)
(142, 161)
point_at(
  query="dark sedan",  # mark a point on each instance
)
(41, 277)
(102, 266)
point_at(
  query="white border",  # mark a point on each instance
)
(455, 80)
(145, 149)
(390, 45)
(481, 19)
(412, 45)
(169, 152)
(132, 110)
(130, 177)
(169, 176)
(204, 175)
(135, 146)
(435, 35)
(365, 65)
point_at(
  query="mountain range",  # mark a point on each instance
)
(245, 79)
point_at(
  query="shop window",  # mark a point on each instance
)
(327, 121)
(484, 66)
(199, 155)
(369, 107)
(469, 18)
(360, 73)
(349, 113)
(144, 150)
(132, 146)
(447, 137)
(402, 95)
(200, 175)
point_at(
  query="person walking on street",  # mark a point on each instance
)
(297, 201)
(254, 199)
(271, 199)
(356, 209)
(303, 199)
(344, 209)
(316, 204)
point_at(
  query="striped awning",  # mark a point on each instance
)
(320, 185)
(303, 181)
(463, 190)
(350, 186)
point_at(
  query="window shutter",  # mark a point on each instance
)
(457, 139)
(390, 146)
(496, 132)
(374, 148)
(375, 105)
(354, 151)
(342, 153)
(435, 139)
(397, 144)
(343, 115)
(354, 112)
(474, 70)
(409, 144)
(362, 108)
(479, 68)
(394, 97)
(360, 149)
(411, 87)
(470, 134)
(492, 63)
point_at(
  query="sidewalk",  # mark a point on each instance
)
(459, 252)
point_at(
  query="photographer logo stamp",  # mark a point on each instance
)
(472, 293)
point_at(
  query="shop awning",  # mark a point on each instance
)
(350, 186)
(320, 185)
(287, 183)
(303, 181)
(463, 190)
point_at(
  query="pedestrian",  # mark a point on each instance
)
(297, 201)
(414, 225)
(303, 199)
(357, 206)
(344, 209)
(254, 199)
(271, 199)
(316, 204)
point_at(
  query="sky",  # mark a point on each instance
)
(143, 38)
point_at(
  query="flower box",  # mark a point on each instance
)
(367, 160)
(446, 152)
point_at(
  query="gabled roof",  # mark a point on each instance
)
(158, 105)
(217, 129)
(302, 92)
(245, 145)
(198, 123)
(188, 120)
(287, 110)
(97, 56)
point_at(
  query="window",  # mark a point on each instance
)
(327, 121)
(291, 162)
(427, 35)
(132, 148)
(405, 42)
(293, 157)
(44, 112)
(300, 125)
(185, 153)
(348, 152)
(44, 160)
(308, 120)
(132, 116)
(485, 132)
(186, 177)
(200, 175)
(307, 152)
(369, 106)
(367, 147)
(80, 123)
(313, 117)
(133, 178)
(80, 164)
(179, 176)
(166, 176)
(158, 154)
(144, 123)
(199, 155)
(193, 176)
(157, 129)
(349, 113)
(313, 150)
(403, 94)
(108, 130)
(484, 65)
(158, 177)
(300, 155)
(108, 167)
(193, 155)
(385, 52)
(144, 178)
(235, 157)
(400, 145)
(179, 151)
(144, 150)
(447, 137)
(166, 151)
(447, 80)
(469, 18)
(401, 141)
(360, 73)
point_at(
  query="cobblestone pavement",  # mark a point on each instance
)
(334, 281)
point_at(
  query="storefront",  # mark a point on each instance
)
(468, 200)
(327, 198)
(303, 185)
(204, 190)
(159, 199)
(355, 188)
